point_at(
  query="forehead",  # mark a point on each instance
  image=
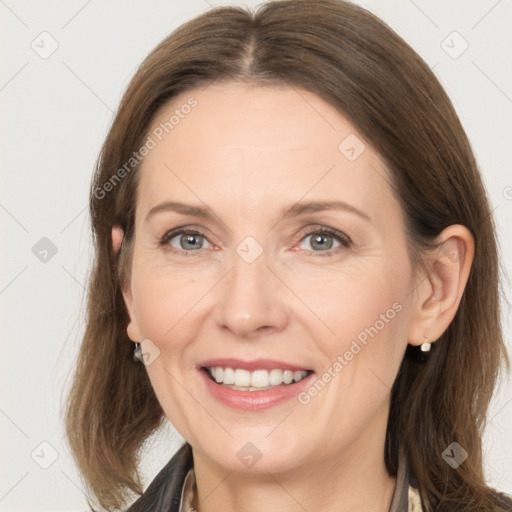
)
(252, 116)
(254, 144)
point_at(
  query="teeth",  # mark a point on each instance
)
(259, 379)
(298, 376)
(276, 377)
(287, 376)
(242, 378)
(228, 377)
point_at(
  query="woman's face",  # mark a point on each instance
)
(267, 281)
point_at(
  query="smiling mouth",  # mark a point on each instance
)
(258, 380)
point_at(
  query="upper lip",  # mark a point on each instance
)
(253, 364)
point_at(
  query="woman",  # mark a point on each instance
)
(245, 147)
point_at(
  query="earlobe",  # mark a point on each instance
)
(132, 330)
(440, 292)
(117, 237)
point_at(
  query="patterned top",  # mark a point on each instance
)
(414, 502)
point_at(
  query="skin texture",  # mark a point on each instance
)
(248, 153)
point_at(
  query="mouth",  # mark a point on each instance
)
(255, 385)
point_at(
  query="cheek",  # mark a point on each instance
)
(360, 361)
(163, 305)
(360, 302)
(162, 299)
(368, 311)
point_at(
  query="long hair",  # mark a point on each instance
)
(356, 63)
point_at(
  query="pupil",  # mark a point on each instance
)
(189, 239)
(317, 240)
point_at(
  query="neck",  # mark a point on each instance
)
(349, 480)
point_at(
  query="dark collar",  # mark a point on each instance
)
(164, 492)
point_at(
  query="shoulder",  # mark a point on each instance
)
(164, 492)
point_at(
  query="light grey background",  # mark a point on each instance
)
(55, 114)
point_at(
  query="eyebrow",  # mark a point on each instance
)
(294, 210)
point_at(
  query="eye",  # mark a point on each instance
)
(182, 239)
(324, 240)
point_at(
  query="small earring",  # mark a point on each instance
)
(137, 353)
(426, 346)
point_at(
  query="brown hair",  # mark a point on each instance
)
(356, 63)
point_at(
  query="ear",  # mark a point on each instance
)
(132, 329)
(440, 290)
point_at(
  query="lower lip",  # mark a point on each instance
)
(254, 400)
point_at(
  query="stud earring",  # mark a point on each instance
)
(425, 346)
(137, 353)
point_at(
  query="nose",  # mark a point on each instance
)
(251, 299)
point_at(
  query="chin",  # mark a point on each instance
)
(254, 457)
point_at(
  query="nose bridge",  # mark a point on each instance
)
(251, 297)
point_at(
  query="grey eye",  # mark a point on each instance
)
(321, 241)
(187, 241)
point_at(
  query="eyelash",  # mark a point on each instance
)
(345, 241)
